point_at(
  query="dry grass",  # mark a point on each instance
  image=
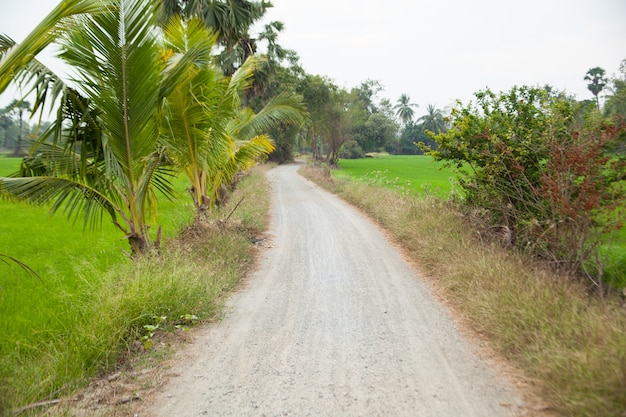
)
(571, 345)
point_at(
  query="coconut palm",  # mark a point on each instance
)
(248, 140)
(116, 56)
(139, 109)
(18, 107)
(433, 120)
(230, 20)
(209, 137)
(404, 109)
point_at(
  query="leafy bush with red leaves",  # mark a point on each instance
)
(542, 168)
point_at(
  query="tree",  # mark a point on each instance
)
(404, 109)
(231, 20)
(338, 125)
(317, 93)
(5, 123)
(207, 133)
(145, 104)
(433, 120)
(375, 133)
(597, 82)
(411, 136)
(115, 53)
(18, 107)
(366, 94)
(615, 105)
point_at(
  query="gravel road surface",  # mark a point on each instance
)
(333, 323)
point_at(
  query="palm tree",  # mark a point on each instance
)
(18, 107)
(5, 122)
(433, 120)
(139, 110)
(209, 137)
(597, 82)
(248, 142)
(404, 109)
(231, 20)
(117, 58)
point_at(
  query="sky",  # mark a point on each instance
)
(435, 51)
(438, 51)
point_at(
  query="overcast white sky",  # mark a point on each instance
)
(441, 50)
(436, 51)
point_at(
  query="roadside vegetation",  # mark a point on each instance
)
(572, 345)
(148, 141)
(92, 309)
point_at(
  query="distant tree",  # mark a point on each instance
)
(433, 120)
(411, 135)
(5, 123)
(404, 109)
(351, 150)
(318, 93)
(339, 124)
(375, 133)
(367, 92)
(17, 108)
(597, 82)
(615, 105)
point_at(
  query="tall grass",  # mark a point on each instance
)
(86, 314)
(573, 346)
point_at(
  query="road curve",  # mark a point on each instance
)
(333, 323)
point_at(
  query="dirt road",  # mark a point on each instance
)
(333, 323)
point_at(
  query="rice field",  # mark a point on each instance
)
(416, 174)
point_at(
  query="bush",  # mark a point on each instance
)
(351, 150)
(539, 166)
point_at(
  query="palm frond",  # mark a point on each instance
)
(16, 58)
(282, 109)
(74, 198)
(116, 56)
(242, 78)
(9, 260)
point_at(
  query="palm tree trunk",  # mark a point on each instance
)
(18, 144)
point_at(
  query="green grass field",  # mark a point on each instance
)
(35, 312)
(63, 254)
(416, 174)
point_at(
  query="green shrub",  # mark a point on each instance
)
(351, 150)
(539, 168)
